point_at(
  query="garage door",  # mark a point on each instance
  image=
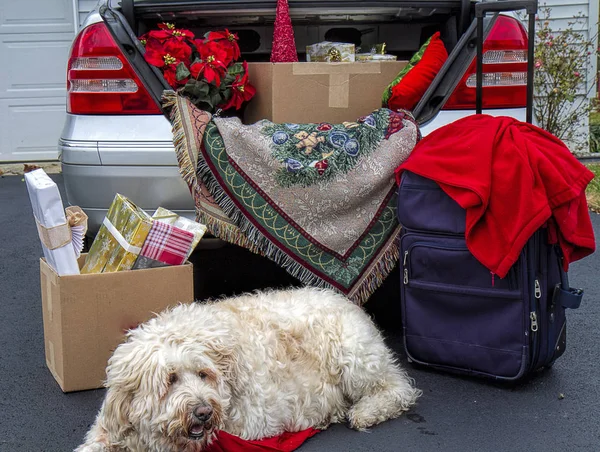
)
(35, 37)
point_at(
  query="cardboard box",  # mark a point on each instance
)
(87, 316)
(318, 92)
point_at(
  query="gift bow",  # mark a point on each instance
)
(73, 231)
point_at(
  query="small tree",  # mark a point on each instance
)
(562, 58)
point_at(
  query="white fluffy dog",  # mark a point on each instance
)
(254, 366)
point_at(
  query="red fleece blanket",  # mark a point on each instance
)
(511, 178)
(286, 442)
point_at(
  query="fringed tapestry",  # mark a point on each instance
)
(318, 199)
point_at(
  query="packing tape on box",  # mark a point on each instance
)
(50, 280)
(339, 77)
(119, 237)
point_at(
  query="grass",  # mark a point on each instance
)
(595, 131)
(593, 189)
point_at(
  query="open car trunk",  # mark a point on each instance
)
(402, 25)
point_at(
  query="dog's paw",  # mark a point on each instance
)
(362, 421)
(93, 447)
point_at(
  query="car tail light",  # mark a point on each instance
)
(100, 79)
(504, 70)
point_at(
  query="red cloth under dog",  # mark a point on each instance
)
(511, 178)
(285, 442)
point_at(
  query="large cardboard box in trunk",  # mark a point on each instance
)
(318, 92)
(87, 316)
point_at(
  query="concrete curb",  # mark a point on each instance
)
(17, 169)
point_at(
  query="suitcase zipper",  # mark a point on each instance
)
(537, 295)
(534, 323)
(405, 280)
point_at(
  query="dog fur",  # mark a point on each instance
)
(258, 364)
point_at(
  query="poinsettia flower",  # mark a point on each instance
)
(160, 35)
(166, 26)
(179, 50)
(155, 53)
(241, 90)
(168, 53)
(168, 31)
(231, 39)
(168, 56)
(170, 75)
(213, 64)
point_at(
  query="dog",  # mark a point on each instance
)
(255, 366)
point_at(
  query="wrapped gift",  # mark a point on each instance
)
(377, 53)
(61, 234)
(165, 245)
(375, 57)
(166, 216)
(330, 52)
(120, 238)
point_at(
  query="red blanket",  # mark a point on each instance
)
(512, 178)
(286, 442)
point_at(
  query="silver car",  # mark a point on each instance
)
(116, 138)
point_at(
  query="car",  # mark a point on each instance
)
(117, 139)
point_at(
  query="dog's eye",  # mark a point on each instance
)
(202, 374)
(173, 378)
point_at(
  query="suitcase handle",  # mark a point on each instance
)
(567, 298)
(481, 9)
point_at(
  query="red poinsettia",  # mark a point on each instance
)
(230, 41)
(167, 31)
(167, 55)
(213, 64)
(214, 79)
(241, 90)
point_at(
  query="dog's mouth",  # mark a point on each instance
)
(197, 431)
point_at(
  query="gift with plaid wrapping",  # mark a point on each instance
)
(165, 245)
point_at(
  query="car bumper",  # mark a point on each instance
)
(94, 187)
(130, 155)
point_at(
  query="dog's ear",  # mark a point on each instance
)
(115, 413)
(123, 378)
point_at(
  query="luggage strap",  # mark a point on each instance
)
(567, 298)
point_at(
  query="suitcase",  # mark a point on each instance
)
(458, 316)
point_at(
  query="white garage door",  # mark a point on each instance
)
(35, 37)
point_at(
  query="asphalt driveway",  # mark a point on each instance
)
(558, 410)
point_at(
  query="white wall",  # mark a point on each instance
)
(84, 7)
(563, 12)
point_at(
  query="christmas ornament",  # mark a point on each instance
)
(351, 147)
(321, 166)
(284, 44)
(293, 165)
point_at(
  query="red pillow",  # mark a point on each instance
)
(407, 94)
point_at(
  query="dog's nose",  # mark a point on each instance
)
(203, 413)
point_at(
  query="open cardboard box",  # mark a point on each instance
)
(87, 316)
(318, 92)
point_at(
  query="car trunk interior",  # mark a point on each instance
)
(403, 26)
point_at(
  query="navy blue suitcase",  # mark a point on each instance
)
(457, 316)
